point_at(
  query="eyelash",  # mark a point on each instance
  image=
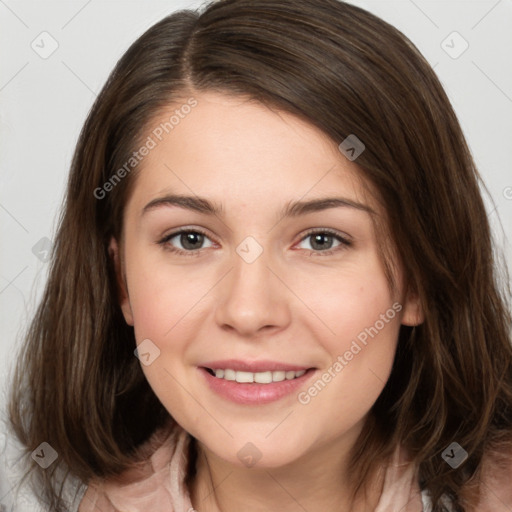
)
(343, 245)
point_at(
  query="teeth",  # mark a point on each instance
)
(260, 377)
(244, 377)
(229, 374)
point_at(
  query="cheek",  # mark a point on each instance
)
(357, 375)
(359, 332)
(349, 301)
(163, 306)
(160, 295)
(154, 310)
(169, 306)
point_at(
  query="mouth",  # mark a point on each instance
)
(257, 387)
(264, 377)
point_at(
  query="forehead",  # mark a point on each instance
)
(228, 147)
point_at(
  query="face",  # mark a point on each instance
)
(274, 280)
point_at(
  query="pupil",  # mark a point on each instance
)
(189, 239)
(318, 239)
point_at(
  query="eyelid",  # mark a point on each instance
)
(184, 229)
(344, 239)
(334, 232)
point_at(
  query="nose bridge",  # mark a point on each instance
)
(252, 297)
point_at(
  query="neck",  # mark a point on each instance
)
(317, 481)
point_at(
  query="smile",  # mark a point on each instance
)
(255, 388)
(260, 377)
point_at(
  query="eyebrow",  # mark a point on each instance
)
(291, 209)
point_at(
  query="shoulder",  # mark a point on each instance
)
(496, 482)
(495, 487)
(156, 483)
(426, 501)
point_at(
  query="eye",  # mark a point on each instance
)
(191, 241)
(322, 241)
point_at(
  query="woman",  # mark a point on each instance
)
(370, 369)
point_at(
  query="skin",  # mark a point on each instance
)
(292, 304)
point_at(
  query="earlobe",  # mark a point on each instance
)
(413, 313)
(124, 299)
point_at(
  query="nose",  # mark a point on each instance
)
(252, 299)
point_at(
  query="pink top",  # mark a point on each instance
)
(159, 484)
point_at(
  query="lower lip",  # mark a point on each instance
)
(254, 393)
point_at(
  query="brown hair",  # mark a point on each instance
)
(347, 72)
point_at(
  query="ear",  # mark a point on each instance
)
(413, 313)
(122, 289)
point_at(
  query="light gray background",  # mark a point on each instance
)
(44, 102)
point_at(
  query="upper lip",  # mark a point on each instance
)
(253, 366)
